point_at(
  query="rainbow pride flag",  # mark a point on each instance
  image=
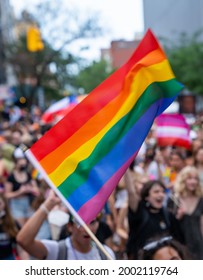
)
(86, 153)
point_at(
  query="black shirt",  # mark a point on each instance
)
(7, 244)
(144, 225)
(16, 184)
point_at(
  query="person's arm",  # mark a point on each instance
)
(160, 161)
(111, 203)
(22, 254)
(24, 189)
(133, 196)
(26, 236)
(2, 168)
(9, 193)
(122, 227)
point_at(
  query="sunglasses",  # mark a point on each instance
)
(92, 223)
(155, 244)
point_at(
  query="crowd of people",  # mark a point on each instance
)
(155, 211)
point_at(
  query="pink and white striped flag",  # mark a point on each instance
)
(173, 130)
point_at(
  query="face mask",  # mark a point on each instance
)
(150, 157)
(22, 167)
(2, 213)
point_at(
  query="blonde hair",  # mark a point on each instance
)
(180, 186)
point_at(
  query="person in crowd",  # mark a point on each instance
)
(118, 204)
(196, 144)
(3, 172)
(44, 232)
(198, 162)
(7, 158)
(165, 153)
(164, 248)
(16, 140)
(116, 201)
(189, 158)
(122, 227)
(104, 232)
(9, 248)
(149, 159)
(177, 162)
(188, 208)
(157, 166)
(20, 189)
(79, 245)
(147, 215)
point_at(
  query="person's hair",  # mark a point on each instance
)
(149, 154)
(17, 159)
(18, 130)
(179, 186)
(39, 199)
(152, 245)
(178, 154)
(147, 187)
(8, 222)
(196, 154)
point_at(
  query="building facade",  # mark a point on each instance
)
(168, 19)
(119, 52)
(6, 36)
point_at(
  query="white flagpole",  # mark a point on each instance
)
(36, 164)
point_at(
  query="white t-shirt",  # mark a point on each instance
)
(52, 247)
(121, 198)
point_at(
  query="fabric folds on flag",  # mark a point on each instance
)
(87, 152)
(173, 130)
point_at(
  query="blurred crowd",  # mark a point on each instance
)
(155, 212)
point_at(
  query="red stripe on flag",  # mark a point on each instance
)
(163, 142)
(98, 99)
(167, 137)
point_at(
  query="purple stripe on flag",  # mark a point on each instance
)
(175, 120)
(96, 202)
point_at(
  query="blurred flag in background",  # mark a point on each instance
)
(173, 130)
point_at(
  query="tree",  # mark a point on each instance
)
(28, 70)
(92, 75)
(37, 67)
(186, 58)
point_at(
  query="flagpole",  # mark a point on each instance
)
(36, 164)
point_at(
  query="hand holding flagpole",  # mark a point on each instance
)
(35, 163)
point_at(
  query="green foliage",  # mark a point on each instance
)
(92, 75)
(186, 59)
(33, 70)
(50, 68)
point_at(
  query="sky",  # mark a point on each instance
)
(123, 18)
